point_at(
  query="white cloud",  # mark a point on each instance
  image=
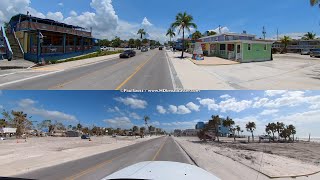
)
(260, 102)
(8, 8)
(272, 93)
(119, 122)
(223, 30)
(1, 107)
(173, 109)
(135, 115)
(182, 109)
(73, 13)
(225, 96)
(230, 104)
(60, 4)
(161, 109)
(146, 22)
(209, 103)
(113, 110)
(133, 102)
(192, 106)
(57, 16)
(28, 106)
(269, 112)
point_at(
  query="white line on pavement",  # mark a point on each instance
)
(33, 77)
(7, 74)
(171, 74)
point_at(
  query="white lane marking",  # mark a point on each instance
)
(171, 74)
(7, 74)
(33, 77)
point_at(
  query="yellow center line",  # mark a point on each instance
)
(156, 155)
(85, 75)
(135, 72)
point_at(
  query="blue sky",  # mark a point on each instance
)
(124, 17)
(169, 110)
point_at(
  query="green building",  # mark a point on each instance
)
(237, 47)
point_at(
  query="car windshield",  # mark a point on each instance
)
(127, 51)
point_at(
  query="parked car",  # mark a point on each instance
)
(127, 54)
(160, 48)
(85, 136)
(144, 49)
(152, 47)
(305, 52)
(104, 48)
(114, 135)
(2, 138)
(315, 53)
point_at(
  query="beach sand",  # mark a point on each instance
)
(245, 161)
(18, 157)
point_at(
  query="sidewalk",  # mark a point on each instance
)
(193, 76)
(74, 64)
(15, 64)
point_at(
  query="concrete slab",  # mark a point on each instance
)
(213, 61)
(15, 64)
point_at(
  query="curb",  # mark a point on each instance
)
(192, 159)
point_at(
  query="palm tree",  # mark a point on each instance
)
(196, 35)
(279, 128)
(215, 122)
(146, 119)
(211, 33)
(292, 130)
(170, 33)
(238, 129)
(183, 22)
(251, 126)
(142, 32)
(285, 40)
(309, 36)
(228, 123)
(314, 2)
(3, 124)
(79, 127)
(142, 129)
(272, 127)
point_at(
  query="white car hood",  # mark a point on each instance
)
(162, 170)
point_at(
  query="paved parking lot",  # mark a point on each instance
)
(289, 71)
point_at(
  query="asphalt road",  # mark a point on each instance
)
(102, 165)
(149, 70)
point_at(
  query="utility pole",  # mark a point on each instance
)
(277, 34)
(264, 32)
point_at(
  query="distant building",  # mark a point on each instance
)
(190, 132)
(72, 134)
(8, 131)
(200, 125)
(177, 132)
(297, 45)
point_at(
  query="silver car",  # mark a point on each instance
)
(305, 52)
(315, 53)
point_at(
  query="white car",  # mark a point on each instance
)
(2, 138)
(103, 48)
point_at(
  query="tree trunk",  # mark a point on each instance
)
(273, 135)
(182, 43)
(293, 137)
(252, 136)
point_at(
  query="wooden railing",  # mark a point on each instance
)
(40, 26)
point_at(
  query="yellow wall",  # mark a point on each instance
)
(23, 39)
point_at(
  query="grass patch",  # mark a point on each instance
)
(92, 55)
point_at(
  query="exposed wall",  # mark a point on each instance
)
(257, 52)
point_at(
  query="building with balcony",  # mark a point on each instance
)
(38, 39)
(297, 45)
(237, 47)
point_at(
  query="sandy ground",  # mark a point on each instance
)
(18, 157)
(245, 161)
